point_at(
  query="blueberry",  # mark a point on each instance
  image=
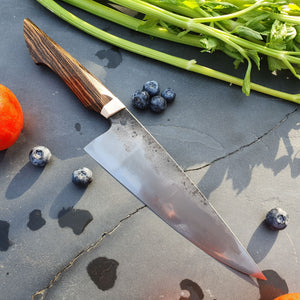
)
(277, 219)
(140, 99)
(169, 94)
(82, 177)
(158, 104)
(39, 156)
(151, 87)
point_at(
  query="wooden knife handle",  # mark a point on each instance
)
(89, 90)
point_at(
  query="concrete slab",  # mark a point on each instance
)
(243, 153)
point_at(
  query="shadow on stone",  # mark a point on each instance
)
(239, 164)
(22, 182)
(2, 154)
(273, 287)
(68, 197)
(261, 242)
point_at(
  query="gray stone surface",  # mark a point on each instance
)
(243, 153)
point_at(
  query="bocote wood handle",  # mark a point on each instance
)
(89, 90)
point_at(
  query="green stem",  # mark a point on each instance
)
(122, 19)
(189, 24)
(177, 8)
(229, 16)
(160, 56)
(133, 23)
(180, 21)
(286, 18)
(185, 11)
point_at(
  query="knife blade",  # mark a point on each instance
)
(133, 157)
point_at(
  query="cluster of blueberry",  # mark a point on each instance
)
(149, 97)
(39, 156)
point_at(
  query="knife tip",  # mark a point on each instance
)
(259, 275)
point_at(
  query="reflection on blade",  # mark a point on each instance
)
(130, 154)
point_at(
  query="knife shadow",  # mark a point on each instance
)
(273, 287)
(261, 242)
(68, 197)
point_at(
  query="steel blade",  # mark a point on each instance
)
(132, 156)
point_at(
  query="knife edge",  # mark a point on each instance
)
(187, 203)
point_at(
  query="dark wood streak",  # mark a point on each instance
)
(43, 50)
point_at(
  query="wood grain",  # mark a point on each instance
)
(43, 50)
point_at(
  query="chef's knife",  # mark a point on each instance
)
(132, 156)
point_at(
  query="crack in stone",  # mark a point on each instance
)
(184, 134)
(40, 295)
(244, 146)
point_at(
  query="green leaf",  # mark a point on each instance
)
(237, 63)
(255, 57)
(291, 33)
(171, 28)
(148, 23)
(294, 8)
(183, 33)
(275, 64)
(247, 80)
(247, 33)
(255, 22)
(280, 35)
(209, 43)
(221, 5)
(297, 37)
(296, 2)
(163, 57)
(190, 4)
(232, 53)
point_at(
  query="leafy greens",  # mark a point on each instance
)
(245, 30)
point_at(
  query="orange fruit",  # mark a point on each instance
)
(292, 296)
(11, 118)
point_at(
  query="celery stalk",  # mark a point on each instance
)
(189, 65)
(133, 23)
(192, 25)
